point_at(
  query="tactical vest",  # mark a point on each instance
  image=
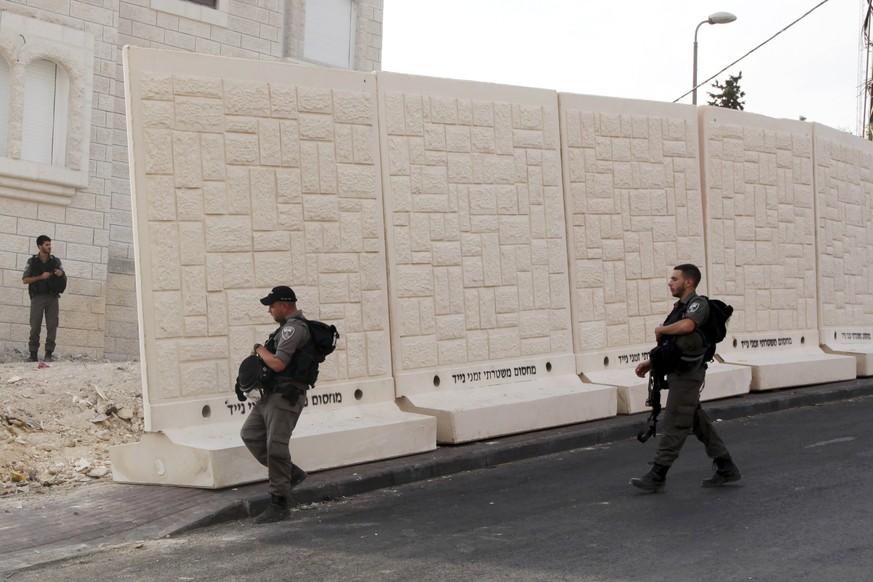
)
(288, 380)
(668, 357)
(37, 268)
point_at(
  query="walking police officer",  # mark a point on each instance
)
(267, 430)
(683, 413)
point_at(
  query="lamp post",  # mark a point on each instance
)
(714, 18)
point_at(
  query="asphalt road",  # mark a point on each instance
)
(804, 511)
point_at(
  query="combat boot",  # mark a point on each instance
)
(298, 475)
(653, 481)
(725, 472)
(49, 357)
(33, 357)
(276, 511)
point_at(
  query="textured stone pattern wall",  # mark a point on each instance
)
(635, 212)
(254, 30)
(251, 185)
(844, 189)
(478, 256)
(761, 222)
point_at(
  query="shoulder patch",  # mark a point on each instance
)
(694, 307)
(287, 332)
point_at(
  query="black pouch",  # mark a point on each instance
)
(667, 358)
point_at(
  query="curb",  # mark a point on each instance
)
(451, 459)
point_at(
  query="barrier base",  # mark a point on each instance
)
(722, 381)
(490, 411)
(793, 367)
(863, 355)
(214, 457)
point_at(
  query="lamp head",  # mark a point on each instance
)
(721, 18)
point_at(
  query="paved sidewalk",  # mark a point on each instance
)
(35, 529)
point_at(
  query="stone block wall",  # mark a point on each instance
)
(844, 212)
(256, 30)
(760, 217)
(634, 211)
(450, 226)
(237, 29)
(477, 239)
(251, 176)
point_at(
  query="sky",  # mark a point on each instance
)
(639, 49)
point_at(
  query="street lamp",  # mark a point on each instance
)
(714, 18)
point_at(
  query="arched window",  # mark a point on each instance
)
(46, 98)
(4, 104)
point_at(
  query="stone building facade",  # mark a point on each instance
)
(63, 138)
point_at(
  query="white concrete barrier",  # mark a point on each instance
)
(247, 175)
(854, 342)
(616, 368)
(477, 257)
(631, 172)
(789, 359)
(761, 241)
(844, 215)
(495, 257)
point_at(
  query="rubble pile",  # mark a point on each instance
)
(58, 420)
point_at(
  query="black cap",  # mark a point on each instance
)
(280, 293)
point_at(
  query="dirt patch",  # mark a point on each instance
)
(58, 421)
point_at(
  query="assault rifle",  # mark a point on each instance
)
(657, 382)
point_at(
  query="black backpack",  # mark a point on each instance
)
(53, 284)
(715, 328)
(322, 343)
(57, 285)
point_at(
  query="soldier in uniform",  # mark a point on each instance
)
(267, 430)
(38, 276)
(683, 413)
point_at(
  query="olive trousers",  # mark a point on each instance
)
(683, 415)
(266, 433)
(48, 304)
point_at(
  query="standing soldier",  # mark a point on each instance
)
(45, 282)
(683, 413)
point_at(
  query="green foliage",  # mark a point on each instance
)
(730, 96)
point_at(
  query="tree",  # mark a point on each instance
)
(731, 95)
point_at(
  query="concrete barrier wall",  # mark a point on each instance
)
(477, 257)
(246, 181)
(761, 237)
(844, 226)
(249, 175)
(634, 208)
(634, 211)
(477, 247)
(480, 247)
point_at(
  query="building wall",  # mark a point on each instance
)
(55, 200)
(91, 224)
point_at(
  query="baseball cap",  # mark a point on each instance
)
(280, 293)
